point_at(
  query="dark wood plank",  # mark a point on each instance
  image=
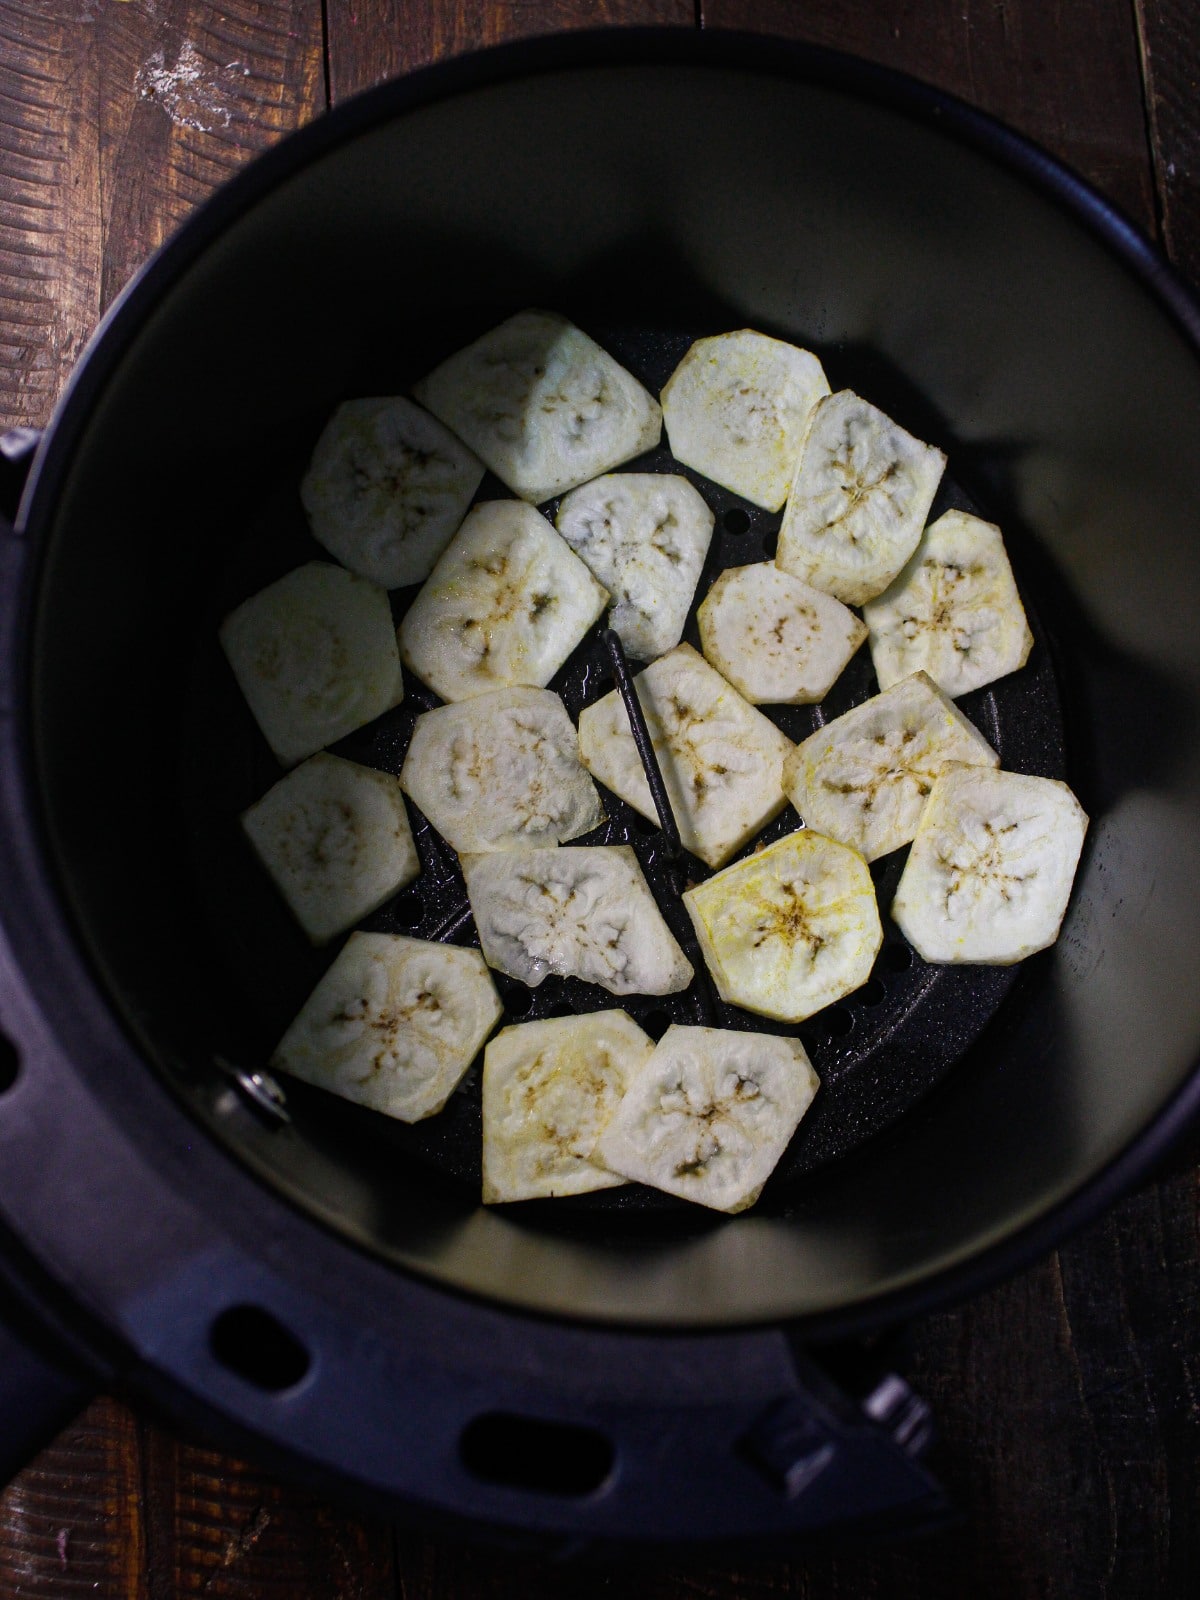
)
(1170, 42)
(1066, 75)
(375, 39)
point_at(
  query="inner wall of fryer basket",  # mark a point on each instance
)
(691, 198)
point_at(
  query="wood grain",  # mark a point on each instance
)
(1065, 74)
(1170, 43)
(370, 40)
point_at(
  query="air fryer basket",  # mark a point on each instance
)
(653, 201)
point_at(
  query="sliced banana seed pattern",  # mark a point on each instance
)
(644, 536)
(953, 612)
(394, 1024)
(709, 1115)
(791, 929)
(579, 911)
(864, 778)
(549, 1090)
(991, 868)
(501, 772)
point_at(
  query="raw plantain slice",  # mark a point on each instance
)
(864, 778)
(542, 404)
(394, 1024)
(721, 760)
(709, 1115)
(386, 488)
(583, 911)
(991, 867)
(862, 491)
(736, 408)
(335, 838)
(954, 611)
(791, 929)
(501, 772)
(644, 535)
(506, 604)
(775, 638)
(315, 656)
(549, 1089)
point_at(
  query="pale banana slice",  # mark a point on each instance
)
(315, 656)
(644, 535)
(862, 491)
(778, 640)
(506, 604)
(721, 760)
(581, 911)
(709, 1115)
(335, 838)
(542, 404)
(501, 772)
(791, 929)
(864, 778)
(549, 1090)
(736, 408)
(990, 871)
(954, 611)
(394, 1024)
(386, 488)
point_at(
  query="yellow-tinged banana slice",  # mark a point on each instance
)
(549, 1090)
(394, 1024)
(335, 838)
(954, 611)
(990, 871)
(721, 760)
(386, 488)
(791, 929)
(506, 604)
(581, 911)
(542, 404)
(778, 640)
(315, 656)
(501, 771)
(736, 408)
(644, 535)
(709, 1115)
(864, 778)
(862, 491)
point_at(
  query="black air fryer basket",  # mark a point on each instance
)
(320, 1285)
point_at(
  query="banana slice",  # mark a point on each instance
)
(394, 1024)
(644, 535)
(583, 911)
(386, 488)
(335, 838)
(506, 604)
(501, 772)
(542, 404)
(736, 408)
(862, 491)
(791, 929)
(864, 778)
(954, 611)
(776, 639)
(549, 1090)
(709, 1115)
(721, 760)
(315, 656)
(990, 871)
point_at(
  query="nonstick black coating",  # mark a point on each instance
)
(877, 1052)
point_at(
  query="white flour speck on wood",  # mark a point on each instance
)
(187, 90)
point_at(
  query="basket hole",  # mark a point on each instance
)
(561, 1008)
(10, 1063)
(527, 1453)
(408, 909)
(897, 957)
(643, 825)
(256, 1347)
(871, 993)
(736, 521)
(838, 1020)
(517, 1002)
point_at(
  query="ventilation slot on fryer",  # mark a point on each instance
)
(256, 1346)
(540, 1457)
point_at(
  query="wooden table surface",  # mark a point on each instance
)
(1068, 1397)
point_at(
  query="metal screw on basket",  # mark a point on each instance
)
(261, 1092)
